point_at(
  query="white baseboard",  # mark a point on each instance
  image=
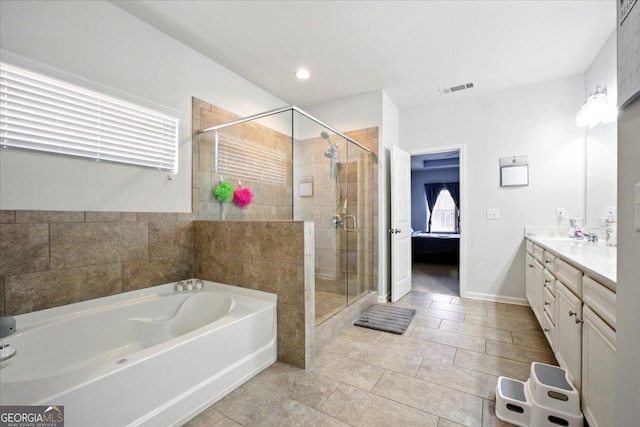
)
(496, 298)
(384, 298)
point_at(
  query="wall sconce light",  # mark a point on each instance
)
(596, 109)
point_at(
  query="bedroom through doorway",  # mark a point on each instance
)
(435, 222)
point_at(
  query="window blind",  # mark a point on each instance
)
(48, 115)
(244, 159)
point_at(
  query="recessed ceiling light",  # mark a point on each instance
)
(303, 74)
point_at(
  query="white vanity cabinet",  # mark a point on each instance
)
(577, 313)
(568, 347)
(598, 354)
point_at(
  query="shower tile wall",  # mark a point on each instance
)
(53, 258)
(271, 201)
(271, 256)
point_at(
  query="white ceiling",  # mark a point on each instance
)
(410, 49)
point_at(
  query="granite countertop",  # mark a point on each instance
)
(596, 259)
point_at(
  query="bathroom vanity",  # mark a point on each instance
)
(571, 287)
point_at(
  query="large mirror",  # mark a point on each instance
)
(602, 140)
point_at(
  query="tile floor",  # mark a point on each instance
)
(442, 372)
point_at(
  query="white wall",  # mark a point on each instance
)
(602, 140)
(628, 286)
(536, 120)
(100, 42)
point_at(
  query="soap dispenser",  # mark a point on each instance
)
(611, 230)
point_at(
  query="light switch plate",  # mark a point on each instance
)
(493, 213)
(638, 206)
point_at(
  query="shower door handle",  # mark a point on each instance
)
(349, 219)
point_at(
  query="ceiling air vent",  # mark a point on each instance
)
(455, 88)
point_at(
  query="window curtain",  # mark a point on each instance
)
(432, 191)
(454, 190)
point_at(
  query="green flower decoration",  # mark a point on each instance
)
(223, 192)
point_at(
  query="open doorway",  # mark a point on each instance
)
(436, 222)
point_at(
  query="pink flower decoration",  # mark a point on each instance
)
(242, 197)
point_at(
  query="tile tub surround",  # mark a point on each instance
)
(271, 256)
(371, 378)
(54, 258)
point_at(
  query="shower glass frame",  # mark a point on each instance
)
(331, 179)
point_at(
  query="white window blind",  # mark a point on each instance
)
(245, 159)
(44, 114)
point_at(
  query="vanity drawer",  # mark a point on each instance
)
(600, 299)
(550, 305)
(549, 281)
(549, 260)
(529, 246)
(549, 329)
(538, 253)
(570, 276)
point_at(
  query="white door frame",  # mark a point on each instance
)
(464, 207)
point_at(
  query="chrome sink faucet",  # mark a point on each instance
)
(591, 237)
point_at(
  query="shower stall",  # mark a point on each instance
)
(299, 168)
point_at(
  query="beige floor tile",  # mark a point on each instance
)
(360, 408)
(530, 340)
(432, 296)
(449, 338)
(306, 387)
(428, 322)
(349, 371)
(466, 380)
(361, 334)
(440, 314)
(442, 401)
(224, 422)
(492, 365)
(476, 331)
(489, 418)
(522, 317)
(429, 351)
(493, 305)
(206, 418)
(375, 354)
(443, 422)
(506, 323)
(250, 404)
(296, 414)
(465, 309)
(523, 354)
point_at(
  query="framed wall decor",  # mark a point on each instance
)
(628, 52)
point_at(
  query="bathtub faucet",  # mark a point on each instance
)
(7, 327)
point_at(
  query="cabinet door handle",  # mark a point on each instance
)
(546, 303)
(546, 329)
(571, 313)
(547, 262)
(578, 320)
(547, 281)
(530, 265)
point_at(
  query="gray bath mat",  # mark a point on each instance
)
(386, 318)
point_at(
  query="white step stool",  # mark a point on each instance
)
(512, 402)
(546, 399)
(550, 387)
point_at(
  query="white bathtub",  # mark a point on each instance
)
(150, 357)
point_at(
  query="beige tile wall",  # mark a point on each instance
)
(53, 258)
(271, 256)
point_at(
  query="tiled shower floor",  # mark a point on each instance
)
(328, 304)
(441, 373)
